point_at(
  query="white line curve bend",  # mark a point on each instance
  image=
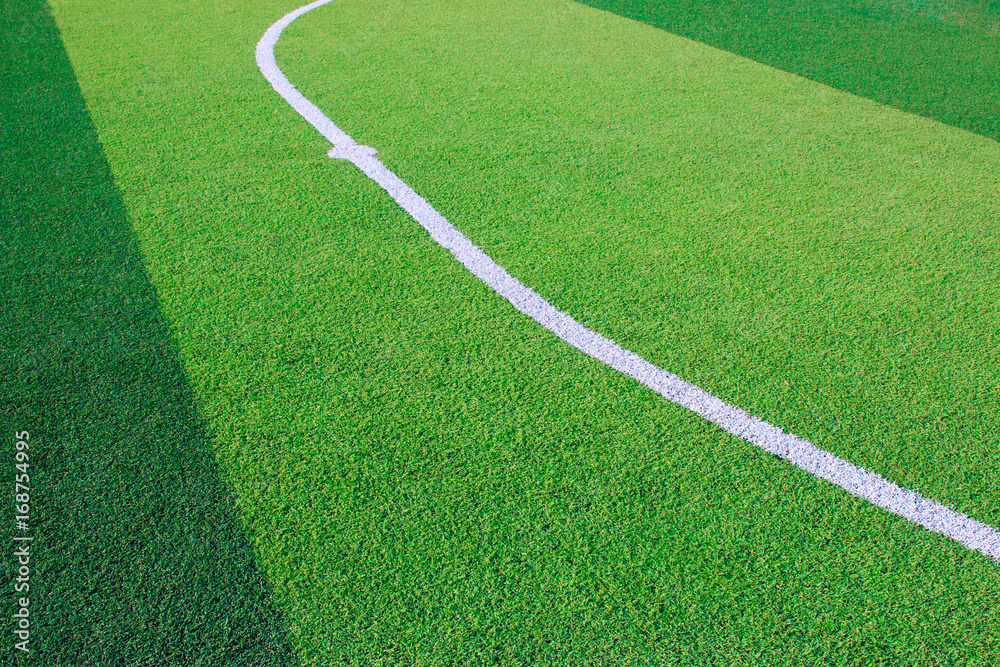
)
(807, 456)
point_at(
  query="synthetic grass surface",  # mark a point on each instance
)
(825, 262)
(936, 58)
(429, 477)
(138, 555)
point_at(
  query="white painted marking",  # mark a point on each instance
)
(807, 456)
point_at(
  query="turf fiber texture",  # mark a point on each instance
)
(139, 557)
(936, 58)
(429, 479)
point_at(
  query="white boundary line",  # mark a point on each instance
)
(807, 456)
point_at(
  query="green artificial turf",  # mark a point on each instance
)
(936, 58)
(138, 555)
(830, 264)
(429, 478)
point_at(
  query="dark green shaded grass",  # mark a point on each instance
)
(936, 58)
(429, 477)
(139, 557)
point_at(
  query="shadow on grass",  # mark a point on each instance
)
(935, 58)
(139, 556)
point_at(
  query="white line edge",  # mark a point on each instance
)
(805, 455)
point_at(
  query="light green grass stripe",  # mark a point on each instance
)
(417, 494)
(825, 262)
(856, 481)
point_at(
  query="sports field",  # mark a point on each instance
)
(274, 422)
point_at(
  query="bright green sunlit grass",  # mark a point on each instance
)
(826, 262)
(429, 478)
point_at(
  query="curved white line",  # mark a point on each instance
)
(807, 456)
